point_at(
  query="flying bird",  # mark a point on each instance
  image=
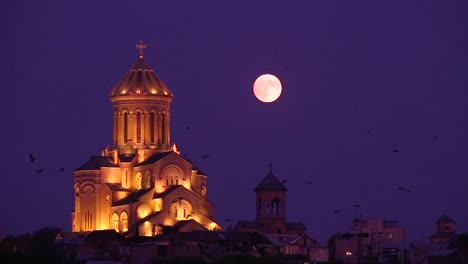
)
(227, 220)
(404, 189)
(337, 211)
(188, 128)
(205, 156)
(357, 205)
(396, 150)
(32, 158)
(62, 169)
(284, 181)
(39, 170)
(309, 182)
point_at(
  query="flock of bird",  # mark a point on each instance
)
(310, 181)
(32, 160)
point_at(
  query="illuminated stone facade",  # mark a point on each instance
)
(141, 183)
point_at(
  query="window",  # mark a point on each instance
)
(115, 222)
(138, 118)
(88, 221)
(125, 128)
(124, 220)
(163, 128)
(152, 127)
(275, 206)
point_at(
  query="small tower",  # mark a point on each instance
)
(445, 224)
(445, 230)
(271, 204)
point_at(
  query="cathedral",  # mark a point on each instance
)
(141, 183)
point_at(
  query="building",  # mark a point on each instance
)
(271, 210)
(287, 238)
(445, 230)
(141, 183)
(370, 239)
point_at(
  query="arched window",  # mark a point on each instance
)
(152, 127)
(126, 179)
(147, 180)
(260, 206)
(124, 221)
(138, 118)
(125, 127)
(138, 179)
(181, 208)
(163, 128)
(275, 206)
(87, 203)
(115, 222)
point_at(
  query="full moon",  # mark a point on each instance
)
(267, 88)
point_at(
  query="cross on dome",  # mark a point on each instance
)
(141, 45)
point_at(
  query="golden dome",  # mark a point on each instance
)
(141, 80)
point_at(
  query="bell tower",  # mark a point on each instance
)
(141, 104)
(271, 203)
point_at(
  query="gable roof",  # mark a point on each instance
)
(132, 197)
(96, 162)
(270, 182)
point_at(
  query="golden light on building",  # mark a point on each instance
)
(141, 176)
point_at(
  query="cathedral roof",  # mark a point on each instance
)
(96, 162)
(166, 192)
(156, 157)
(445, 219)
(270, 182)
(148, 217)
(126, 157)
(141, 80)
(132, 197)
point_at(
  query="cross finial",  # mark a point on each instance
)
(141, 45)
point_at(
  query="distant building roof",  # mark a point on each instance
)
(132, 197)
(270, 182)
(445, 219)
(182, 223)
(96, 163)
(444, 235)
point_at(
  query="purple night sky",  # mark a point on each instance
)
(360, 80)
